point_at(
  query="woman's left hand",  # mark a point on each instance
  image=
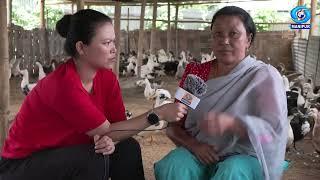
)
(103, 145)
(216, 124)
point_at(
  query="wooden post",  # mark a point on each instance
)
(80, 4)
(128, 33)
(42, 19)
(313, 18)
(117, 15)
(176, 26)
(169, 30)
(4, 72)
(72, 8)
(44, 33)
(300, 3)
(141, 36)
(154, 27)
(9, 13)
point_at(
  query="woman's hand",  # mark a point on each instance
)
(171, 112)
(103, 145)
(205, 153)
(216, 124)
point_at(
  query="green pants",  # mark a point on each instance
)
(180, 164)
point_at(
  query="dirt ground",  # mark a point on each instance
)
(303, 165)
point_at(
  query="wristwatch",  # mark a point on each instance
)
(153, 118)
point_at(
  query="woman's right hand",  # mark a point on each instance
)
(205, 153)
(171, 112)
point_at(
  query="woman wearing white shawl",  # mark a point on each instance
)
(239, 129)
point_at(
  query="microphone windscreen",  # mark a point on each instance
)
(195, 85)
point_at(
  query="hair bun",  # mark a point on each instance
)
(63, 25)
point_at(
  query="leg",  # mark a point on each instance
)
(180, 164)
(240, 167)
(70, 163)
(126, 161)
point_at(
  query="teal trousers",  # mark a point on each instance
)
(181, 164)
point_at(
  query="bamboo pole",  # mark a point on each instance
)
(169, 30)
(141, 36)
(176, 26)
(80, 4)
(9, 13)
(313, 18)
(128, 34)
(117, 12)
(154, 27)
(44, 33)
(300, 3)
(42, 18)
(4, 72)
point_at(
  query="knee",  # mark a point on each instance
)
(128, 149)
(177, 160)
(243, 166)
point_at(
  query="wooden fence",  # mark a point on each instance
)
(31, 45)
(34, 45)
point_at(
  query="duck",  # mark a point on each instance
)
(41, 73)
(316, 132)
(149, 92)
(26, 87)
(301, 100)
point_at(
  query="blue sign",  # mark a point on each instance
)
(300, 15)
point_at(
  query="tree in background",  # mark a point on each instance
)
(28, 16)
(264, 19)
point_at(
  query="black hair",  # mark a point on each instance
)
(242, 14)
(80, 26)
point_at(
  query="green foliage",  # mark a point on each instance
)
(29, 17)
(53, 16)
(265, 16)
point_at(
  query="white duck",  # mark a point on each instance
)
(290, 133)
(308, 92)
(26, 87)
(162, 97)
(181, 66)
(148, 91)
(132, 66)
(316, 132)
(162, 56)
(301, 100)
(205, 58)
(171, 56)
(15, 69)
(41, 72)
(286, 83)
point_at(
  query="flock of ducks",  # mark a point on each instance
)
(303, 99)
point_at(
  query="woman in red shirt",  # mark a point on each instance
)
(68, 123)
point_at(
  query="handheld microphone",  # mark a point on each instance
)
(193, 88)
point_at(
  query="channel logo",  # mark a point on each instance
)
(300, 15)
